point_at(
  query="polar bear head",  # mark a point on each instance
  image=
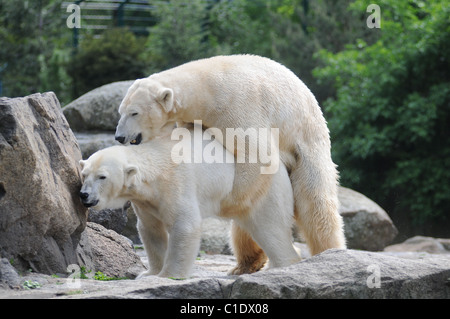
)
(106, 177)
(144, 112)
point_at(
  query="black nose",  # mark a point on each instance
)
(84, 195)
(120, 139)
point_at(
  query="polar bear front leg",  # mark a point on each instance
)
(184, 243)
(154, 236)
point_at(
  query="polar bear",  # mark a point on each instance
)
(247, 91)
(171, 198)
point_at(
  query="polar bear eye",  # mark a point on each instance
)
(102, 177)
(134, 114)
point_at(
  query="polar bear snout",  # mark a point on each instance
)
(120, 139)
(134, 141)
(84, 196)
(137, 140)
(86, 201)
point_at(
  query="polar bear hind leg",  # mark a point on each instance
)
(271, 230)
(267, 230)
(250, 257)
(314, 182)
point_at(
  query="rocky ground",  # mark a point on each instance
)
(332, 274)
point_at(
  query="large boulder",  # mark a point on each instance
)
(422, 244)
(98, 109)
(91, 142)
(108, 252)
(367, 226)
(41, 216)
(114, 219)
(8, 275)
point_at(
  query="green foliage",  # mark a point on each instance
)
(102, 277)
(98, 275)
(302, 28)
(389, 119)
(179, 36)
(115, 56)
(53, 74)
(28, 284)
(27, 33)
(239, 27)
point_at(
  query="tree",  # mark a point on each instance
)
(300, 28)
(179, 35)
(27, 33)
(115, 56)
(239, 27)
(389, 119)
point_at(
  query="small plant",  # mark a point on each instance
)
(84, 273)
(73, 292)
(28, 284)
(101, 276)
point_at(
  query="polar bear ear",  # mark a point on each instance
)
(165, 97)
(81, 162)
(130, 171)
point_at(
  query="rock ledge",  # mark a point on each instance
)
(332, 274)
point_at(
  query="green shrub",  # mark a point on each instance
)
(115, 56)
(390, 119)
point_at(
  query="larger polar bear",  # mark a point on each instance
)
(247, 91)
(171, 199)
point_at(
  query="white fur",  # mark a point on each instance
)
(171, 200)
(245, 91)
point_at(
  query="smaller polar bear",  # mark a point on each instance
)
(170, 201)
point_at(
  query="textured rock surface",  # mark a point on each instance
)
(422, 244)
(216, 236)
(332, 274)
(367, 226)
(91, 142)
(41, 217)
(350, 274)
(97, 109)
(106, 251)
(8, 275)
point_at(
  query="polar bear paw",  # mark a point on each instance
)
(145, 274)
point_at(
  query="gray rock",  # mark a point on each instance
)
(216, 236)
(41, 216)
(332, 274)
(422, 244)
(109, 252)
(367, 226)
(114, 219)
(130, 231)
(97, 109)
(8, 275)
(91, 142)
(349, 274)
